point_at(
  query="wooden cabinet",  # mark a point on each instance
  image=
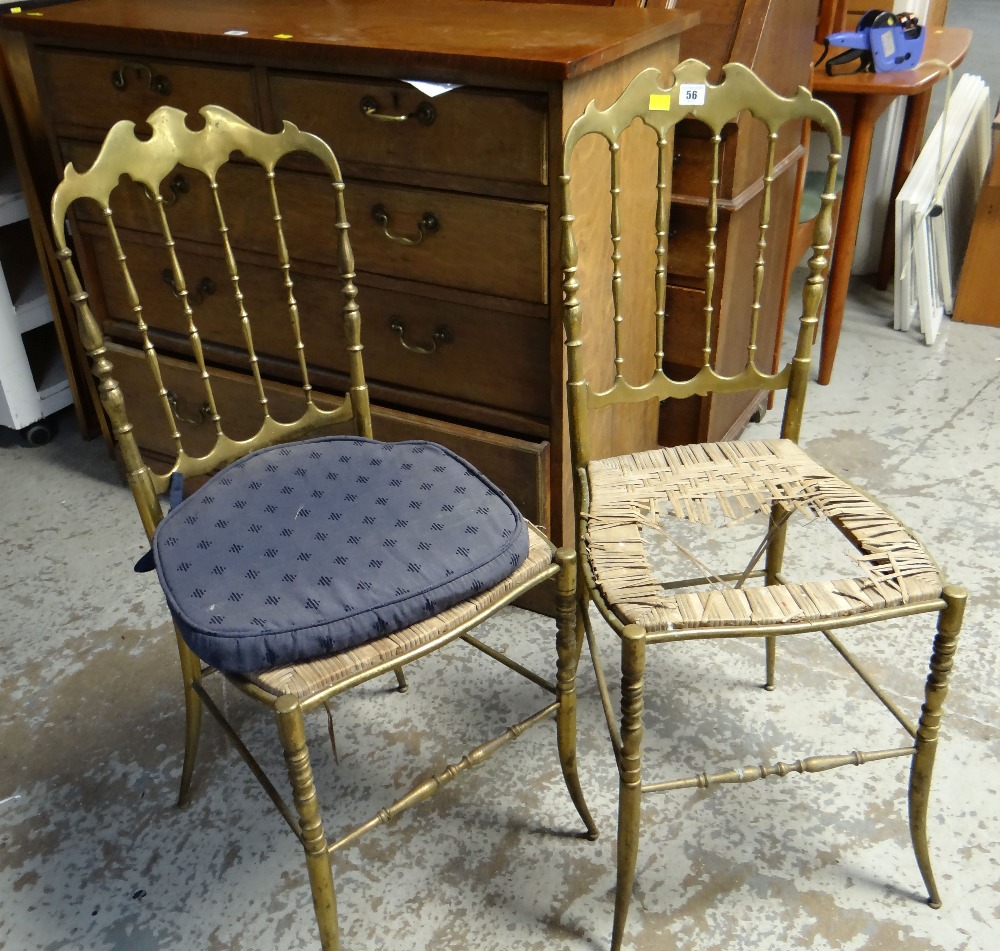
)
(462, 318)
(974, 303)
(774, 38)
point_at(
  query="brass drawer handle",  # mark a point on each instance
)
(441, 335)
(177, 186)
(204, 411)
(429, 224)
(205, 288)
(159, 84)
(425, 113)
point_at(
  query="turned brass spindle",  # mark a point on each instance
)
(763, 225)
(711, 231)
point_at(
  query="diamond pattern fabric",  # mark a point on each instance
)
(306, 550)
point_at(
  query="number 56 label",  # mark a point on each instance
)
(692, 94)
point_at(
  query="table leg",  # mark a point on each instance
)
(910, 139)
(868, 109)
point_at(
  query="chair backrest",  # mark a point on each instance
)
(219, 203)
(608, 362)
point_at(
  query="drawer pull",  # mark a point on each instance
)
(177, 186)
(205, 288)
(429, 224)
(425, 113)
(159, 84)
(204, 411)
(441, 335)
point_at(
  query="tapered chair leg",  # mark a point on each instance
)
(935, 693)
(291, 729)
(777, 531)
(568, 654)
(191, 672)
(630, 773)
(401, 683)
(770, 655)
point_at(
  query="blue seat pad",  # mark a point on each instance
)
(305, 550)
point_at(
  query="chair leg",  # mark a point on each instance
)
(630, 773)
(401, 683)
(568, 653)
(771, 652)
(291, 728)
(191, 673)
(935, 693)
(777, 530)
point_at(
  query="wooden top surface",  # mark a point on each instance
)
(944, 44)
(433, 38)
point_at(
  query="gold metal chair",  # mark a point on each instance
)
(637, 512)
(222, 197)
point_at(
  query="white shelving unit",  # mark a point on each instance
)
(33, 380)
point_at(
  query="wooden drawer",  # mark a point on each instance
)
(742, 158)
(687, 251)
(490, 358)
(483, 244)
(519, 467)
(467, 132)
(684, 328)
(94, 91)
(459, 251)
(693, 161)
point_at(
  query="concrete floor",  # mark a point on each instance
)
(94, 856)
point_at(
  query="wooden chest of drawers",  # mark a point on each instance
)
(774, 38)
(452, 198)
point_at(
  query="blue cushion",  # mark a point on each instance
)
(308, 549)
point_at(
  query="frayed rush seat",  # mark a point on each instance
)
(302, 551)
(631, 493)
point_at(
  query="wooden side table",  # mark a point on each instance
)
(859, 99)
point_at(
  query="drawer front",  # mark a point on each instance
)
(519, 467)
(491, 358)
(411, 342)
(467, 132)
(684, 328)
(687, 252)
(693, 154)
(434, 237)
(95, 91)
(742, 158)
(481, 244)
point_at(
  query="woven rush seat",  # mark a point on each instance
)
(307, 679)
(633, 492)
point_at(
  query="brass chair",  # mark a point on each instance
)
(641, 513)
(312, 558)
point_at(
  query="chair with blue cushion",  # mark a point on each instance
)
(299, 557)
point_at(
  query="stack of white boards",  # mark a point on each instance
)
(935, 207)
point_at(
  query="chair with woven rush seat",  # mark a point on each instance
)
(309, 557)
(669, 540)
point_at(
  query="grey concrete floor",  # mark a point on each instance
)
(94, 855)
